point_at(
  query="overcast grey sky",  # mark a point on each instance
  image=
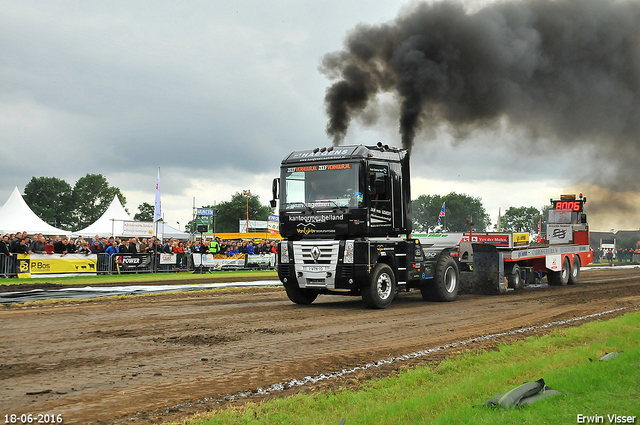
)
(216, 94)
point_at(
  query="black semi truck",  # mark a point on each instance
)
(345, 219)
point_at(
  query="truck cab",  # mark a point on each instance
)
(567, 222)
(345, 219)
(338, 193)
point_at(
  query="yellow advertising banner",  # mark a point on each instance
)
(520, 239)
(41, 264)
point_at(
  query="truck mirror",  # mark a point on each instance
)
(274, 191)
(376, 183)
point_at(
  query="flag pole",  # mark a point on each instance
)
(157, 208)
(444, 212)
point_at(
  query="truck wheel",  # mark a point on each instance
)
(560, 278)
(445, 284)
(574, 276)
(514, 279)
(300, 295)
(381, 288)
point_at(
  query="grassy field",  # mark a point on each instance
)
(453, 391)
(183, 278)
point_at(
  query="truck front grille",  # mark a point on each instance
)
(326, 251)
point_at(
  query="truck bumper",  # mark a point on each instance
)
(340, 276)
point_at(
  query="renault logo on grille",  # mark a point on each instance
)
(315, 253)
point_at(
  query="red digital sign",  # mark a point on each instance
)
(568, 205)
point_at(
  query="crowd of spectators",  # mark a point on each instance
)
(22, 243)
(622, 255)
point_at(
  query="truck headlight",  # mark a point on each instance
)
(284, 252)
(348, 251)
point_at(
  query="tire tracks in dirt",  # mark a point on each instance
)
(114, 360)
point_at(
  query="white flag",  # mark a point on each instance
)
(157, 210)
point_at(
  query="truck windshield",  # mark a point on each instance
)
(562, 217)
(323, 186)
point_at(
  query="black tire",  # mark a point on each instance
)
(446, 282)
(299, 295)
(514, 279)
(560, 278)
(381, 289)
(574, 276)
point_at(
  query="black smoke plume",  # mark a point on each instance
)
(565, 70)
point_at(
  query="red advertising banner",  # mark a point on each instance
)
(497, 239)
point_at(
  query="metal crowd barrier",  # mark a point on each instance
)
(206, 262)
(125, 263)
(159, 263)
(144, 263)
(4, 265)
(8, 265)
(174, 262)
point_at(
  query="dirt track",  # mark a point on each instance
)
(152, 359)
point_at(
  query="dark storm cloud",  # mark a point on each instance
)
(566, 71)
(122, 87)
(215, 93)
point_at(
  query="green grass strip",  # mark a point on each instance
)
(452, 392)
(183, 278)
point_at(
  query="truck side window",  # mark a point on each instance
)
(378, 186)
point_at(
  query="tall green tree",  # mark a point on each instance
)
(231, 212)
(545, 219)
(458, 208)
(50, 198)
(146, 212)
(91, 197)
(422, 210)
(520, 219)
(190, 227)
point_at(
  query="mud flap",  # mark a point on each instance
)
(488, 270)
(526, 394)
(513, 397)
(608, 356)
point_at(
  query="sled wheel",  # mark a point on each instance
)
(445, 284)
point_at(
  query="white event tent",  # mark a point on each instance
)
(165, 232)
(16, 216)
(111, 222)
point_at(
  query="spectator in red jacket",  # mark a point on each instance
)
(48, 247)
(179, 249)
